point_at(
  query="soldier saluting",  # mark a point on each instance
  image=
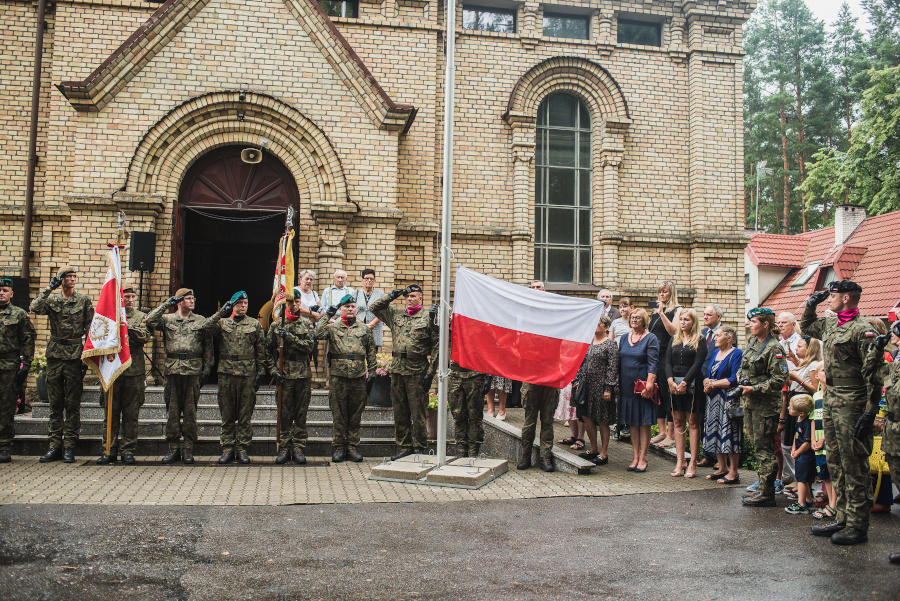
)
(411, 374)
(848, 410)
(352, 354)
(128, 393)
(70, 314)
(188, 361)
(295, 380)
(242, 365)
(16, 353)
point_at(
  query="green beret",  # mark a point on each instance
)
(348, 298)
(239, 296)
(6, 282)
(297, 294)
(759, 312)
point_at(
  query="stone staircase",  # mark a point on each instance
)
(377, 426)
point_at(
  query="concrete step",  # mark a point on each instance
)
(41, 411)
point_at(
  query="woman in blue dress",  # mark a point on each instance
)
(723, 436)
(638, 360)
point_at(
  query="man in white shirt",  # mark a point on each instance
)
(787, 425)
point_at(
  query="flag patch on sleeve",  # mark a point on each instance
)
(870, 334)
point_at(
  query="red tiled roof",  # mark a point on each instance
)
(869, 257)
(775, 250)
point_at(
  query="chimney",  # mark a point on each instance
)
(846, 219)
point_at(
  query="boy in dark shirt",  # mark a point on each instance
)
(804, 456)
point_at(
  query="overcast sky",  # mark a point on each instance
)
(827, 10)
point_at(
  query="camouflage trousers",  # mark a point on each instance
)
(295, 397)
(237, 400)
(848, 462)
(467, 405)
(347, 398)
(410, 402)
(762, 431)
(64, 387)
(540, 402)
(182, 393)
(8, 400)
(128, 397)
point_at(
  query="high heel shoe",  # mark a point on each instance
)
(689, 473)
(678, 471)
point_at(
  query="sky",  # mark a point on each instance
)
(827, 10)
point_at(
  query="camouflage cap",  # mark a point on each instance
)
(844, 287)
(184, 292)
(128, 288)
(64, 270)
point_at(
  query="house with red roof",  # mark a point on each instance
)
(780, 272)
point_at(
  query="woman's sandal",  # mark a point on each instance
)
(569, 440)
(825, 512)
(589, 456)
(716, 476)
(736, 480)
(578, 445)
(667, 443)
(658, 439)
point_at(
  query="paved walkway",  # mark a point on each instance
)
(28, 481)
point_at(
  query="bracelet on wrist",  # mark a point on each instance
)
(782, 421)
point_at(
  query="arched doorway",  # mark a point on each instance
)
(227, 222)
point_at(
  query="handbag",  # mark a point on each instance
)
(735, 412)
(640, 386)
(579, 396)
(679, 379)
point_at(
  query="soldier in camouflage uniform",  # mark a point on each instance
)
(188, 363)
(16, 354)
(295, 380)
(128, 389)
(540, 403)
(766, 369)
(352, 354)
(849, 410)
(466, 404)
(70, 314)
(414, 339)
(242, 365)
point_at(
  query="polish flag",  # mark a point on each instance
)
(283, 285)
(532, 336)
(106, 351)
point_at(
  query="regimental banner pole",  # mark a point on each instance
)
(288, 223)
(120, 240)
(446, 217)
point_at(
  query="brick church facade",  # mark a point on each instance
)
(598, 142)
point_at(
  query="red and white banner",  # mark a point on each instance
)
(283, 286)
(106, 351)
(506, 330)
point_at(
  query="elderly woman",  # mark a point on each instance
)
(365, 296)
(310, 306)
(663, 326)
(722, 439)
(684, 378)
(599, 373)
(638, 360)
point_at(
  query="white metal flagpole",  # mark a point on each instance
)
(446, 205)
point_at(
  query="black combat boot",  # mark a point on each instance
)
(299, 457)
(338, 455)
(54, 454)
(227, 456)
(243, 457)
(354, 455)
(283, 456)
(5, 456)
(405, 452)
(828, 529)
(759, 500)
(187, 455)
(547, 464)
(171, 457)
(525, 463)
(105, 459)
(894, 558)
(849, 536)
(128, 459)
(68, 455)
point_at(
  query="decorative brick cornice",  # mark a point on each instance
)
(101, 86)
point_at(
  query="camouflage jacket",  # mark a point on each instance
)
(413, 338)
(188, 348)
(352, 348)
(138, 335)
(16, 338)
(298, 348)
(242, 350)
(70, 319)
(890, 440)
(767, 373)
(845, 349)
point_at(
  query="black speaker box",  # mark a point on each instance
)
(142, 254)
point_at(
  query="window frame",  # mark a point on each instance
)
(344, 5)
(480, 8)
(563, 15)
(579, 212)
(626, 21)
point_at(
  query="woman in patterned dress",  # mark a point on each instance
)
(600, 373)
(721, 437)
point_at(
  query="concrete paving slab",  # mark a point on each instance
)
(460, 475)
(499, 466)
(401, 470)
(419, 458)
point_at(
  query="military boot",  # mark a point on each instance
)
(187, 455)
(828, 529)
(894, 558)
(105, 459)
(547, 464)
(354, 455)
(128, 459)
(758, 500)
(405, 452)
(227, 456)
(54, 454)
(849, 536)
(475, 450)
(68, 455)
(283, 456)
(299, 457)
(525, 463)
(172, 456)
(243, 457)
(338, 455)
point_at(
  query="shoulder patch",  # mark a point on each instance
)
(869, 334)
(784, 368)
(779, 356)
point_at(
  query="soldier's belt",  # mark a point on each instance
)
(183, 356)
(66, 340)
(295, 357)
(407, 355)
(845, 381)
(457, 367)
(9, 355)
(236, 357)
(349, 356)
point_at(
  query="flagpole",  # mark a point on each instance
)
(288, 222)
(446, 205)
(120, 239)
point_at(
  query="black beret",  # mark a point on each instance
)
(896, 328)
(414, 288)
(844, 287)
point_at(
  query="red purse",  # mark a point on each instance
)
(640, 386)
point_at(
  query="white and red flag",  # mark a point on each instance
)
(283, 286)
(532, 336)
(106, 351)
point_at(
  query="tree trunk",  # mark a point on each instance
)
(802, 154)
(847, 114)
(749, 207)
(787, 175)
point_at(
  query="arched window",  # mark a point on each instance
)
(562, 200)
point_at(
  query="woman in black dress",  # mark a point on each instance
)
(600, 373)
(684, 374)
(663, 326)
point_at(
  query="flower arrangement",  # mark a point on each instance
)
(433, 400)
(39, 363)
(382, 364)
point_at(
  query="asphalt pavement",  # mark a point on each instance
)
(685, 545)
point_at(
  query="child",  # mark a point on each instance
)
(818, 444)
(802, 407)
